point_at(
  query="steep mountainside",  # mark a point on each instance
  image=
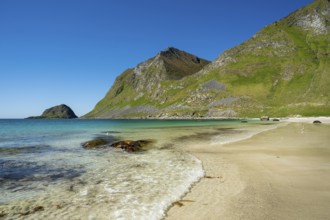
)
(140, 91)
(282, 70)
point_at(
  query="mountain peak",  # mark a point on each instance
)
(179, 64)
(171, 64)
(170, 51)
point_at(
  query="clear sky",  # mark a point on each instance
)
(70, 51)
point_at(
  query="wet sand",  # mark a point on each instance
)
(278, 174)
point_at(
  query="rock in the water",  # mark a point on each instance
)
(131, 146)
(317, 122)
(126, 145)
(276, 119)
(59, 111)
(97, 143)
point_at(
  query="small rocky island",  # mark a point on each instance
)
(56, 112)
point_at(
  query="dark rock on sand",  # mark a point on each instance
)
(317, 122)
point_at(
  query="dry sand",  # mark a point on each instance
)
(279, 174)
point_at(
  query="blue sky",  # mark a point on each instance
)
(70, 51)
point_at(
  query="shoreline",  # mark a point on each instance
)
(256, 178)
(289, 119)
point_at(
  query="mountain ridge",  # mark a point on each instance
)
(282, 70)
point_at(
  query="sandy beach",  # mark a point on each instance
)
(282, 173)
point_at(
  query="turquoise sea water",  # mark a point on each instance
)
(45, 173)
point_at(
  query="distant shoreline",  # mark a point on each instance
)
(323, 119)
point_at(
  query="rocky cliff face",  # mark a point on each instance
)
(282, 70)
(314, 17)
(59, 111)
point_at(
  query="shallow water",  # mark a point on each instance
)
(45, 173)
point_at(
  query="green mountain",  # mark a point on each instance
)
(141, 91)
(282, 70)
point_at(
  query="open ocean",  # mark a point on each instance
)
(46, 174)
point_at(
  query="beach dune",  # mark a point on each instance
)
(282, 173)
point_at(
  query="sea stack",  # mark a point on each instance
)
(57, 112)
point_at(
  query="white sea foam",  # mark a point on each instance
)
(138, 186)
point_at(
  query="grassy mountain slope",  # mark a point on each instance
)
(283, 70)
(139, 91)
